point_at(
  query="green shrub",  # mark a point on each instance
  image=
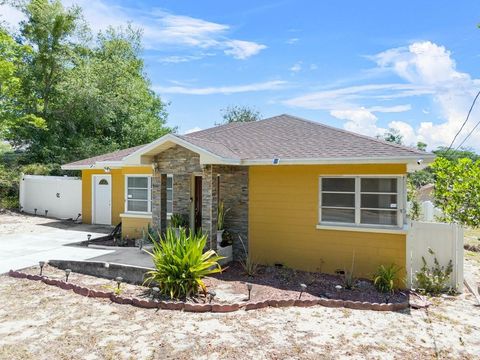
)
(385, 278)
(178, 221)
(433, 280)
(180, 264)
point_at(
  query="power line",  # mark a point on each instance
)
(466, 119)
(470, 133)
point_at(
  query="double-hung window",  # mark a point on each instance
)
(169, 188)
(360, 200)
(138, 194)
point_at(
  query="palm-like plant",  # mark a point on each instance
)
(181, 264)
(222, 212)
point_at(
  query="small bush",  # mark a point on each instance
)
(433, 280)
(181, 264)
(385, 278)
(249, 266)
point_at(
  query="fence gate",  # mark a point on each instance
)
(60, 196)
(446, 240)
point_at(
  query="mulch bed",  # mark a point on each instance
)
(284, 283)
(274, 287)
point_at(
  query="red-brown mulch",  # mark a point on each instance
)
(284, 283)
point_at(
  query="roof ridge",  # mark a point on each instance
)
(404, 147)
(210, 141)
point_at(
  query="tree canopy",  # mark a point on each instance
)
(240, 113)
(65, 94)
(457, 190)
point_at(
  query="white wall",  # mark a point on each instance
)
(446, 240)
(60, 195)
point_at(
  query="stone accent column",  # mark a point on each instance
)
(156, 207)
(234, 194)
(163, 203)
(209, 205)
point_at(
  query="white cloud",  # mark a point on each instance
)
(296, 67)
(348, 97)
(192, 130)
(430, 65)
(292, 41)
(241, 50)
(360, 120)
(175, 59)
(427, 69)
(313, 67)
(161, 30)
(262, 86)
(391, 109)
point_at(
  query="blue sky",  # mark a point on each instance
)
(360, 65)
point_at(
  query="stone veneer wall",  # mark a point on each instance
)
(233, 190)
(234, 194)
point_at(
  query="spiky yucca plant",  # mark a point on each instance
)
(181, 264)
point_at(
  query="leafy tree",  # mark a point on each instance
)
(65, 94)
(393, 136)
(421, 146)
(14, 118)
(76, 96)
(453, 155)
(239, 113)
(457, 190)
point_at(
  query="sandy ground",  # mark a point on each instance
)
(11, 222)
(38, 321)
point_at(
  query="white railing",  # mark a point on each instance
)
(446, 240)
(60, 196)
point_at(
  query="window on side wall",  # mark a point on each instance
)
(361, 201)
(138, 189)
(169, 195)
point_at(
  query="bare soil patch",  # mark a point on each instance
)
(38, 321)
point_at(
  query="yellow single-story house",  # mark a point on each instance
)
(300, 193)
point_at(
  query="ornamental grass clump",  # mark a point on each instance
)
(385, 278)
(180, 264)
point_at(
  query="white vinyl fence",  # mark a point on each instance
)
(446, 240)
(428, 211)
(60, 196)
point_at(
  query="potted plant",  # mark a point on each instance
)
(177, 222)
(221, 222)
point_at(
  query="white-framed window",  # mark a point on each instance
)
(138, 193)
(169, 188)
(361, 200)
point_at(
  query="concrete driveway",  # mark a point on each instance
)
(26, 240)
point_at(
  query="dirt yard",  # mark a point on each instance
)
(38, 321)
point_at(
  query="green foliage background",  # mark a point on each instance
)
(68, 94)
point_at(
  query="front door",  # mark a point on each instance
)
(198, 204)
(102, 200)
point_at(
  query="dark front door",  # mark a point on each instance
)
(198, 203)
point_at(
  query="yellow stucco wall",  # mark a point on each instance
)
(134, 227)
(283, 214)
(118, 197)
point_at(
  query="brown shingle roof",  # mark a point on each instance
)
(290, 137)
(285, 137)
(113, 156)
